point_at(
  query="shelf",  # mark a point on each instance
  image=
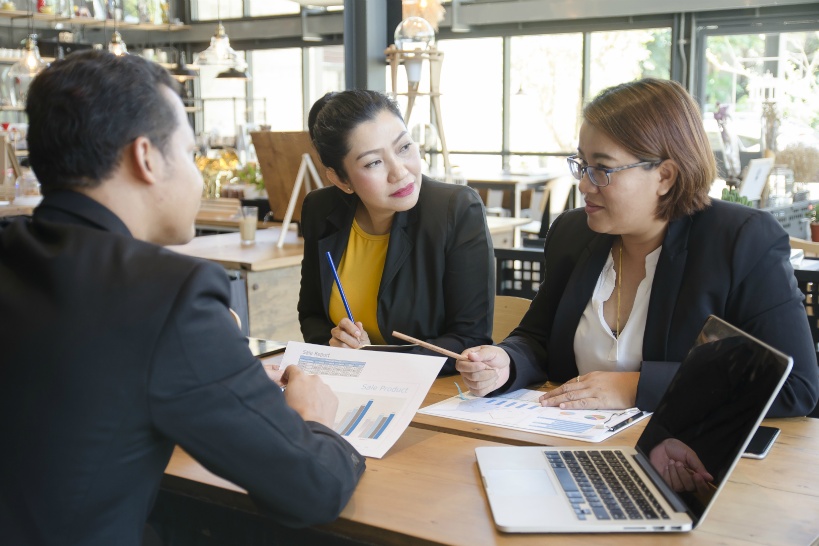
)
(90, 21)
(12, 108)
(12, 60)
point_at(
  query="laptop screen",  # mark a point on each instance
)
(710, 410)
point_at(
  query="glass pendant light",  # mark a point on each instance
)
(219, 52)
(23, 71)
(116, 45)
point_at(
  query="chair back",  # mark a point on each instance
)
(808, 247)
(808, 282)
(509, 311)
(518, 271)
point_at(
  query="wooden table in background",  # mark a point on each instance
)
(516, 183)
(13, 210)
(272, 275)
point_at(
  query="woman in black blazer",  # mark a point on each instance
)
(631, 278)
(414, 254)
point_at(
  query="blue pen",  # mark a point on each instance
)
(340, 289)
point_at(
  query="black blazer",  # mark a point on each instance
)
(114, 350)
(438, 283)
(728, 260)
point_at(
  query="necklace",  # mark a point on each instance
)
(619, 285)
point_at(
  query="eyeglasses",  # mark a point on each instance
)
(599, 176)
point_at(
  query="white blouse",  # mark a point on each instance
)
(595, 347)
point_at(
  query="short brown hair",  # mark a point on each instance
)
(657, 120)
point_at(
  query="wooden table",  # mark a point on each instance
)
(14, 210)
(427, 490)
(272, 274)
(516, 183)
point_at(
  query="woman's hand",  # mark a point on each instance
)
(486, 370)
(595, 390)
(349, 335)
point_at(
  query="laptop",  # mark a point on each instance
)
(711, 409)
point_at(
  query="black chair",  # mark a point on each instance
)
(808, 282)
(519, 271)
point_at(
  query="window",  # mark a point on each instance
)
(277, 79)
(545, 100)
(748, 72)
(325, 73)
(273, 7)
(206, 10)
(627, 55)
(223, 102)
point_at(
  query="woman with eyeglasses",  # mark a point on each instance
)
(631, 278)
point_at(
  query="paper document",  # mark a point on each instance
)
(520, 410)
(378, 392)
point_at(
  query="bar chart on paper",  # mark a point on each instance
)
(521, 410)
(365, 418)
(378, 393)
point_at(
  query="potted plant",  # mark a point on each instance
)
(814, 223)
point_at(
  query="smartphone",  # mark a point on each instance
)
(264, 347)
(761, 443)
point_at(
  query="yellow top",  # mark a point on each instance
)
(360, 270)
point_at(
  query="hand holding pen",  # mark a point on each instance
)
(348, 333)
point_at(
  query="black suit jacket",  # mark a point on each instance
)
(728, 260)
(113, 351)
(438, 283)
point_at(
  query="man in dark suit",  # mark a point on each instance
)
(115, 349)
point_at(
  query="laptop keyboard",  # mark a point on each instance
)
(603, 484)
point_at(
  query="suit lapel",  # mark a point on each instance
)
(401, 244)
(665, 290)
(576, 296)
(341, 217)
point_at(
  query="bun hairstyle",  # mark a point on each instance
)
(335, 115)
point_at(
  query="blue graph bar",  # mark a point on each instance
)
(384, 426)
(358, 418)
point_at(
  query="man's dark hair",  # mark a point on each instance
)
(82, 112)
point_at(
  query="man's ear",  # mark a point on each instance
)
(669, 171)
(143, 157)
(333, 176)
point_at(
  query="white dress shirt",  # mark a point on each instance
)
(595, 346)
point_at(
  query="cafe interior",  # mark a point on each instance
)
(492, 91)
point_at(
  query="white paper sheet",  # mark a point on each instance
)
(378, 392)
(520, 410)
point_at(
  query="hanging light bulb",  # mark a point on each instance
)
(116, 45)
(182, 72)
(23, 71)
(239, 72)
(219, 52)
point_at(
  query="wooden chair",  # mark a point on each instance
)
(509, 310)
(808, 247)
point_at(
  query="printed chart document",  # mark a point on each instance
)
(378, 392)
(520, 410)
